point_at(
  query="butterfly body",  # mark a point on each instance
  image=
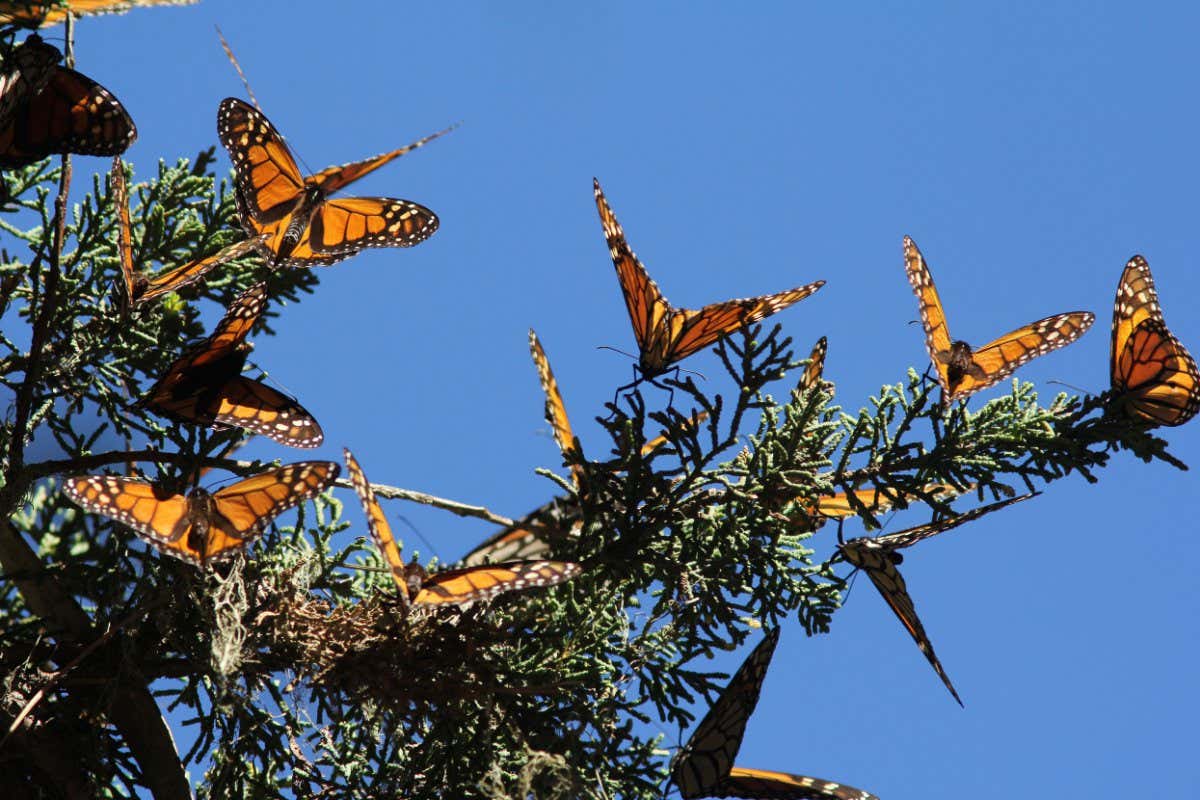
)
(1154, 377)
(202, 526)
(666, 334)
(301, 225)
(963, 370)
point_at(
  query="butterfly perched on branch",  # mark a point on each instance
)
(47, 108)
(963, 370)
(1154, 377)
(878, 558)
(201, 526)
(138, 287)
(206, 385)
(705, 768)
(666, 334)
(303, 225)
(455, 586)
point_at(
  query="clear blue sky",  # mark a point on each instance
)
(1028, 153)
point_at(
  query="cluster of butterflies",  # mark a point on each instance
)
(292, 220)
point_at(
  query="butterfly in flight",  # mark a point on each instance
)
(455, 586)
(200, 527)
(303, 225)
(52, 109)
(1154, 378)
(666, 334)
(961, 370)
(705, 768)
(206, 385)
(878, 558)
(138, 287)
(44, 13)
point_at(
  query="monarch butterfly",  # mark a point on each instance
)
(303, 227)
(704, 767)
(1153, 375)
(531, 537)
(206, 387)
(70, 113)
(816, 365)
(43, 13)
(666, 334)
(876, 501)
(140, 289)
(879, 559)
(455, 586)
(201, 527)
(961, 370)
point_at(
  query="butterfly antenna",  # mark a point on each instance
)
(1069, 386)
(420, 536)
(616, 350)
(233, 60)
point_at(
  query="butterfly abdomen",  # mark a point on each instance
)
(196, 522)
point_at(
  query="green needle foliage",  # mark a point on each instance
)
(297, 674)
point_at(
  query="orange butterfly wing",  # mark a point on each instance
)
(708, 756)
(556, 411)
(71, 114)
(253, 406)
(378, 525)
(761, 784)
(45, 13)
(962, 371)
(664, 333)
(162, 517)
(186, 274)
(1152, 373)
(531, 537)
(472, 584)
(816, 365)
(302, 227)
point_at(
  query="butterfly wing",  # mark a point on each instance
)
(556, 411)
(44, 13)
(648, 309)
(907, 538)
(343, 226)
(876, 561)
(530, 538)
(120, 199)
(933, 318)
(331, 179)
(708, 756)
(187, 390)
(816, 365)
(694, 330)
(761, 784)
(186, 274)
(242, 511)
(27, 69)
(269, 183)
(253, 406)
(161, 517)
(377, 524)
(72, 114)
(998, 359)
(462, 586)
(1153, 374)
